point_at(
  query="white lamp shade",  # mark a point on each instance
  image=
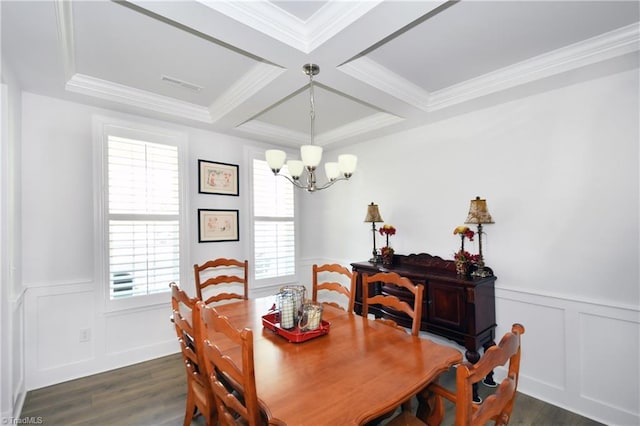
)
(275, 158)
(332, 170)
(311, 155)
(347, 163)
(295, 167)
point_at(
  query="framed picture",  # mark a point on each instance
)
(217, 178)
(217, 225)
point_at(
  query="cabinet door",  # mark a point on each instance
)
(447, 305)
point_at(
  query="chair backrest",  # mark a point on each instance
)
(391, 301)
(187, 328)
(498, 406)
(212, 273)
(329, 283)
(233, 384)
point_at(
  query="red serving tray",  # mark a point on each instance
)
(272, 322)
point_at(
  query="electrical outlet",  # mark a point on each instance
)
(85, 335)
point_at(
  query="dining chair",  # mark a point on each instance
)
(330, 278)
(200, 399)
(227, 273)
(496, 408)
(392, 301)
(233, 385)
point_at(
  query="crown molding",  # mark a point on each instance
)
(596, 49)
(280, 134)
(358, 127)
(64, 21)
(382, 78)
(248, 85)
(115, 92)
(288, 137)
(305, 36)
(265, 17)
(332, 18)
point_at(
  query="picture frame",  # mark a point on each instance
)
(218, 178)
(215, 225)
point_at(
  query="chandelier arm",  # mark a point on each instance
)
(331, 182)
(293, 182)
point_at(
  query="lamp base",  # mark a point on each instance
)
(482, 272)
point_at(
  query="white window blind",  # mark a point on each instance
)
(143, 214)
(274, 223)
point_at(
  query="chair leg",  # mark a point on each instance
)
(430, 408)
(190, 409)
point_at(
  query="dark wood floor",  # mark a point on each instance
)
(154, 392)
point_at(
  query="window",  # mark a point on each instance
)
(141, 206)
(274, 224)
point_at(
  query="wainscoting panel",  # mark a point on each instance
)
(136, 330)
(60, 319)
(18, 380)
(578, 355)
(68, 334)
(544, 327)
(609, 349)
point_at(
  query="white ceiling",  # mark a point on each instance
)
(384, 65)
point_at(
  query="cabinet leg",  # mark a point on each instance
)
(488, 380)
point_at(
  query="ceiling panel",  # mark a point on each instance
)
(331, 110)
(302, 10)
(386, 65)
(139, 50)
(473, 38)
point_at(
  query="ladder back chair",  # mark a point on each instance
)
(214, 273)
(325, 280)
(496, 408)
(199, 396)
(233, 385)
(391, 301)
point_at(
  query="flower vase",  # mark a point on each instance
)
(462, 268)
(387, 259)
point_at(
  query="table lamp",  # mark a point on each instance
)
(479, 215)
(373, 216)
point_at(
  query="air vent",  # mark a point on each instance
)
(181, 83)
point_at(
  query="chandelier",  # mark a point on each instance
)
(311, 155)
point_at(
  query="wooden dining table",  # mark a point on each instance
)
(358, 371)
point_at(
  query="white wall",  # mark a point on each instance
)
(58, 249)
(559, 171)
(12, 367)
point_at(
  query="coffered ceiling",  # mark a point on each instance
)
(236, 66)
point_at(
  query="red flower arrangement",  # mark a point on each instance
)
(387, 251)
(387, 230)
(464, 232)
(463, 258)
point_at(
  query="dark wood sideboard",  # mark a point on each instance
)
(459, 308)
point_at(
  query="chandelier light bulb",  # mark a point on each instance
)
(311, 155)
(295, 168)
(275, 159)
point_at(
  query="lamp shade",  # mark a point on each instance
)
(275, 159)
(478, 212)
(373, 215)
(311, 155)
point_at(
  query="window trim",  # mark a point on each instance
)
(263, 283)
(103, 126)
